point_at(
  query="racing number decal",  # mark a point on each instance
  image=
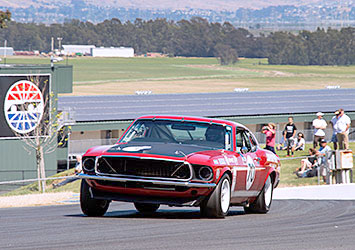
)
(23, 106)
(250, 173)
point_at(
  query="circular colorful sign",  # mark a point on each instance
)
(23, 106)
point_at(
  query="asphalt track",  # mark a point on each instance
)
(291, 224)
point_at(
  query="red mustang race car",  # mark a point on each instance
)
(180, 161)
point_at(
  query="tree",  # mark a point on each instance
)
(225, 54)
(42, 122)
(5, 16)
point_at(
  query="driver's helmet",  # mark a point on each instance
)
(215, 134)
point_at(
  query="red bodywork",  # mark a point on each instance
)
(248, 172)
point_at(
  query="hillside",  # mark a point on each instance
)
(230, 5)
(258, 14)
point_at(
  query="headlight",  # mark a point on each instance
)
(204, 173)
(89, 164)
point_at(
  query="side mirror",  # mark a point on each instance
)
(244, 150)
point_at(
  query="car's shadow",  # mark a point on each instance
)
(160, 214)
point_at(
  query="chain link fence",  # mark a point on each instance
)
(77, 147)
(308, 135)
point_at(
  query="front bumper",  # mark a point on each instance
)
(141, 180)
(130, 189)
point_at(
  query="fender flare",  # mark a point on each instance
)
(272, 174)
(223, 171)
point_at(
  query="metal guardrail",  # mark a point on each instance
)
(25, 171)
(35, 180)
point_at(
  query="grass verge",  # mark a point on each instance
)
(193, 75)
(33, 187)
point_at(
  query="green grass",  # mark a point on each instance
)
(88, 69)
(289, 165)
(33, 187)
(123, 75)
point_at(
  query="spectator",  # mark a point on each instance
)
(319, 125)
(300, 143)
(289, 134)
(282, 145)
(333, 121)
(342, 126)
(78, 165)
(307, 163)
(323, 154)
(270, 133)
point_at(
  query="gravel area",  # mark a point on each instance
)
(38, 200)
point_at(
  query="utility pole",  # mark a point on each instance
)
(5, 50)
(52, 44)
(60, 44)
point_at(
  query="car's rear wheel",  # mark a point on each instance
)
(146, 208)
(89, 205)
(262, 203)
(217, 204)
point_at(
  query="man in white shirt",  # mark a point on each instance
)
(341, 127)
(333, 121)
(319, 125)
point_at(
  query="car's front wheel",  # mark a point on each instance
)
(146, 208)
(217, 204)
(91, 206)
(262, 203)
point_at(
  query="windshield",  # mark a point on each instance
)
(181, 132)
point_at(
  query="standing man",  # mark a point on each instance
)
(289, 134)
(342, 129)
(319, 125)
(333, 121)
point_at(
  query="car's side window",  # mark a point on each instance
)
(243, 141)
(228, 139)
(239, 137)
(252, 140)
(246, 142)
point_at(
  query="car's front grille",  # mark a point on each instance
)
(154, 168)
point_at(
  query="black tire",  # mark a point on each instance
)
(217, 204)
(91, 206)
(146, 208)
(263, 202)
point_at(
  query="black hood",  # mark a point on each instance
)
(158, 148)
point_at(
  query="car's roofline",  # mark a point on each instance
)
(192, 118)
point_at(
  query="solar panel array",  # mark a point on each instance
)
(128, 107)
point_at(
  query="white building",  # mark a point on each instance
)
(73, 49)
(112, 52)
(8, 51)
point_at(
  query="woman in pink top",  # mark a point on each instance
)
(269, 131)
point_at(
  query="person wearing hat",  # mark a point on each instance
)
(323, 153)
(319, 125)
(342, 129)
(332, 122)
